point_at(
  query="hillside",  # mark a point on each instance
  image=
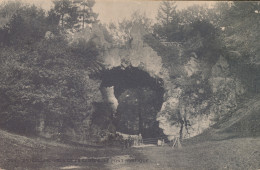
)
(242, 123)
(20, 152)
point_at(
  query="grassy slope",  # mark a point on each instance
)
(242, 123)
(19, 152)
(228, 154)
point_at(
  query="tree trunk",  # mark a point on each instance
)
(62, 24)
(140, 120)
(83, 16)
(181, 129)
(186, 123)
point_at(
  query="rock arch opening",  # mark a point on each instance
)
(134, 98)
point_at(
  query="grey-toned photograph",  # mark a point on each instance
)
(129, 85)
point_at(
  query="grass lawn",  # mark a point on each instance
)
(18, 152)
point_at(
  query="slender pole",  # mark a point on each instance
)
(84, 7)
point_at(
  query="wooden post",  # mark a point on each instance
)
(174, 143)
(177, 143)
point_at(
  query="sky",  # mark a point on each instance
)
(117, 10)
(114, 10)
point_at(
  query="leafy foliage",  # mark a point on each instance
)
(166, 12)
(121, 32)
(85, 11)
(241, 30)
(47, 82)
(67, 13)
(26, 26)
(73, 13)
(45, 88)
(167, 26)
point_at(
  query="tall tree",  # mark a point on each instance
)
(194, 13)
(86, 14)
(241, 29)
(67, 12)
(166, 12)
(26, 26)
(168, 22)
(121, 32)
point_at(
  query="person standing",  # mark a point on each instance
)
(140, 139)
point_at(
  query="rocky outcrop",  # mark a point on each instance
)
(213, 90)
(225, 89)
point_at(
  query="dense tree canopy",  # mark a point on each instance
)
(44, 77)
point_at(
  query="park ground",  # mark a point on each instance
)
(18, 152)
(232, 144)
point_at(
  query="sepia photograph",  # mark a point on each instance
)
(129, 85)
